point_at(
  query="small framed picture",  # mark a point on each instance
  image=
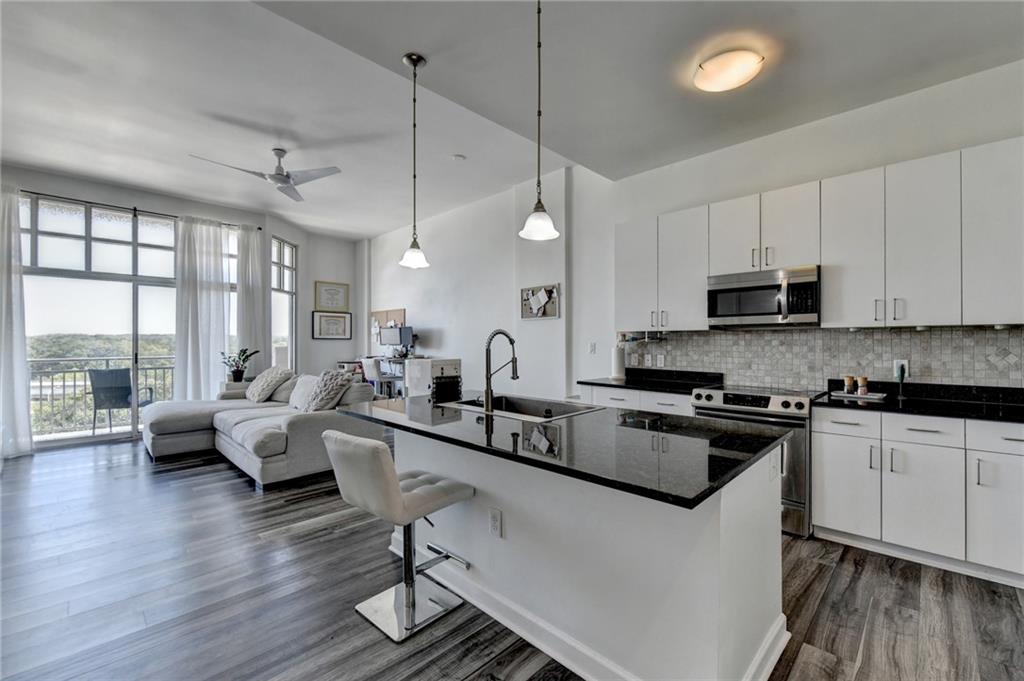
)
(539, 302)
(332, 325)
(330, 296)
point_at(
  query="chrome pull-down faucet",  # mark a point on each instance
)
(488, 391)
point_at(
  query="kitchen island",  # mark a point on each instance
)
(629, 545)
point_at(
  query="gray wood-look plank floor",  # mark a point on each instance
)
(114, 567)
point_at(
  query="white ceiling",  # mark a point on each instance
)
(124, 91)
(612, 102)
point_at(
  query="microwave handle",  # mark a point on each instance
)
(784, 298)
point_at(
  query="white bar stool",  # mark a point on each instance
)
(367, 479)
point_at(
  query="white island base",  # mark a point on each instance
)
(611, 584)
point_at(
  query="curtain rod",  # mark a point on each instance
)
(110, 205)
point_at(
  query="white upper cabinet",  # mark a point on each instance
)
(922, 241)
(735, 235)
(790, 226)
(636, 275)
(853, 250)
(683, 270)
(993, 233)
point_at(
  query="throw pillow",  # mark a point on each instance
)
(264, 385)
(302, 391)
(284, 391)
(328, 390)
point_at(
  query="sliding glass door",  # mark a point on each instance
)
(99, 316)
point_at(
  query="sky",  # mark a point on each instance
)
(56, 305)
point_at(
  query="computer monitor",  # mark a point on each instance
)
(396, 335)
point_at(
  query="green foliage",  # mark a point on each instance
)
(238, 361)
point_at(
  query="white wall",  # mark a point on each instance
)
(467, 290)
(979, 108)
(319, 256)
(481, 237)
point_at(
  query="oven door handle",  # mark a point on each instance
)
(750, 418)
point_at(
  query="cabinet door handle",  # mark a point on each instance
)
(892, 458)
(979, 473)
(845, 423)
(923, 430)
(753, 254)
(877, 301)
(617, 399)
(664, 318)
(664, 445)
(1013, 439)
(785, 458)
(767, 262)
(665, 404)
(895, 317)
(654, 317)
(654, 442)
(871, 457)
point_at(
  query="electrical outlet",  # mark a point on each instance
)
(661, 361)
(634, 359)
(647, 359)
(896, 364)
(593, 347)
(495, 523)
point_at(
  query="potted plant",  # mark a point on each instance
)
(237, 363)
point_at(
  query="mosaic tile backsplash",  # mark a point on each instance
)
(807, 358)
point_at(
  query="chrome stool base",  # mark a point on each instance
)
(388, 610)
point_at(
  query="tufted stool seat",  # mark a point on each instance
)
(367, 478)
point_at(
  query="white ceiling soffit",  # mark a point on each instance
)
(612, 98)
(124, 91)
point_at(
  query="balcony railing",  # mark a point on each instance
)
(62, 403)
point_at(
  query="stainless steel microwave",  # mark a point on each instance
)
(785, 297)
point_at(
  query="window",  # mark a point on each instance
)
(62, 234)
(283, 274)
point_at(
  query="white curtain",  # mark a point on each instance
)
(202, 309)
(254, 297)
(15, 415)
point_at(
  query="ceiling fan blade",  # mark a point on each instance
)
(255, 173)
(290, 191)
(304, 176)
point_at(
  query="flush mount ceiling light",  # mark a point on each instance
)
(414, 257)
(728, 70)
(538, 226)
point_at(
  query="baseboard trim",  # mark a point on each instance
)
(930, 559)
(549, 639)
(768, 654)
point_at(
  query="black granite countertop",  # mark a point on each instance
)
(659, 380)
(983, 403)
(678, 460)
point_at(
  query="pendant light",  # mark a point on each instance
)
(414, 257)
(538, 226)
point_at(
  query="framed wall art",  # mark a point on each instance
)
(330, 296)
(332, 325)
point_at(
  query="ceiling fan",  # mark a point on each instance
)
(285, 181)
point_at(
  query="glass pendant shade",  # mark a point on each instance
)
(539, 226)
(413, 257)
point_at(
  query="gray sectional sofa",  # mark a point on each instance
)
(270, 441)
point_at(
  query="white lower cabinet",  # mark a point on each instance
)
(617, 397)
(846, 484)
(995, 510)
(923, 505)
(666, 403)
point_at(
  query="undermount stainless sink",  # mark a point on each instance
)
(528, 409)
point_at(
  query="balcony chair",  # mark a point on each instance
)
(112, 389)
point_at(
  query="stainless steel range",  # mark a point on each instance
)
(776, 407)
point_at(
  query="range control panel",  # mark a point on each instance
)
(794, 404)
